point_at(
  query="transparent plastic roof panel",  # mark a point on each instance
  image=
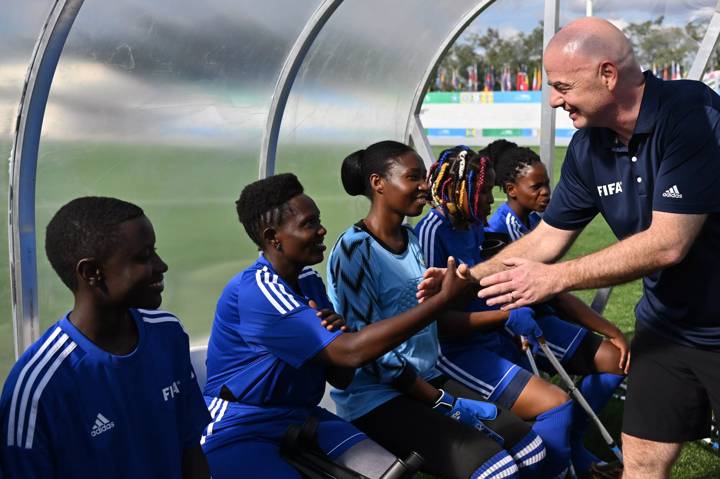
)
(361, 81)
(164, 104)
(20, 23)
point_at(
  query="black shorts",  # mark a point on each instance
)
(450, 449)
(583, 361)
(671, 390)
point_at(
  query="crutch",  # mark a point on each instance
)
(579, 398)
(530, 357)
(536, 371)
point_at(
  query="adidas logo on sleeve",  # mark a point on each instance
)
(672, 192)
(102, 424)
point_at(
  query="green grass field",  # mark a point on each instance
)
(189, 195)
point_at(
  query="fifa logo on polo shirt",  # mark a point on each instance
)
(101, 425)
(672, 192)
(610, 189)
(171, 391)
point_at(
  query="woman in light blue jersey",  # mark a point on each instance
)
(401, 400)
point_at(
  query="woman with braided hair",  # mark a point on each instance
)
(602, 358)
(524, 179)
(475, 349)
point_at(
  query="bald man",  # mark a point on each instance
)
(646, 157)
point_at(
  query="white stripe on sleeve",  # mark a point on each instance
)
(431, 238)
(288, 295)
(24, 400)
(18, 384)
(41, 387)
(509, 226)
(272, 284)
(268, 294)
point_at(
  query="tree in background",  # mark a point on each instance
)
(492, 52)
(657, 46)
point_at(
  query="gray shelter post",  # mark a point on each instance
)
(415, 132)
(268, 146)
(707, 46)
(547, 113)
(23, 169)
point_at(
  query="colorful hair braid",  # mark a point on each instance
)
(456, 180)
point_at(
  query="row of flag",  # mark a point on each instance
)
(523, 79)
(674, 71)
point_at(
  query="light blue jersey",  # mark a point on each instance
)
(504, 220)
(70, 409)
(368, 283)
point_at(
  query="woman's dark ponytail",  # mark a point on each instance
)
(351, 173)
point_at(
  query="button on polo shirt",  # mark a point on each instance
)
(671, 164)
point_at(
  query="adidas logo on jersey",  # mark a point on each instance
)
(672, 192)
(102, 424)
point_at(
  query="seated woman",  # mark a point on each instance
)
(400, 399)
(524, 179)
(272, 349)
(477, 337)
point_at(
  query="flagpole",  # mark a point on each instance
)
(588, 8)
(547, 113)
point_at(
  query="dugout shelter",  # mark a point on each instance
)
(176, 104)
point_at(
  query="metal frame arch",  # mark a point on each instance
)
(268, 147)
(23, 170)
(414, 130)
(551, 20)
(707, 46)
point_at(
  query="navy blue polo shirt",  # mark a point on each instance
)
(671, 164)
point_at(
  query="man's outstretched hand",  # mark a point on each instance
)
(525, 282)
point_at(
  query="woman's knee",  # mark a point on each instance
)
(555, 396)
(538, 397)
(607, 358)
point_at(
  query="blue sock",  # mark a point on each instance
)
(529, 454)
(501, 465)
(553, 427)
(597, 389)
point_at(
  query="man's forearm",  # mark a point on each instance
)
(629, 259)
(529, 281)
(529, 247)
